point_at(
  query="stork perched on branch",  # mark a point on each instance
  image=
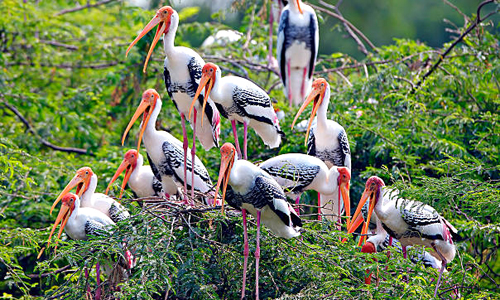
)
(182, 73)
(246, 187)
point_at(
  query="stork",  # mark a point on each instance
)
(411, 222)
(328, 139)
(140, 178)
(241, 100)
(164, 149)
(79, 223)
(298, 41)
(85, 182)
(297, 172)
(248, 188)
(182, 72)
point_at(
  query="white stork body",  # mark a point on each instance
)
(241, 100)
(144, 183)
(298, 42)
(410, 222)
(297, 172)
(182, 73)
(249, 188)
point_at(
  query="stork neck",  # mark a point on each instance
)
(293, 5)
(151, 126)
(332, 184)
(323, 110)
(86, 199)
(216, 92)
(169, 37)
(75, 212)
(138, 165)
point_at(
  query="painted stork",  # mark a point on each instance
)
(328, 139)
(85, 182)
(165, 151)
(298, 41)
(297, 172)
(140, 178)
(79, 223)
(410, 222)
(241, 100)
(182, 72)
(246, 187)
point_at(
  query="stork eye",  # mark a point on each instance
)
(86, 172)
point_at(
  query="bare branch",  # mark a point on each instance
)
(67, 66)
(58, 44)
(42, 140)
(70, 10)
(355, 66)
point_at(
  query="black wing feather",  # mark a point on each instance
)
(312, 33)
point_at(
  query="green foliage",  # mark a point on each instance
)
(67, 75)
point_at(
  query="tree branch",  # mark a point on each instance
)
(42, 140)
(456, 42)
(67, 66)
(70, 10)
(58, 44)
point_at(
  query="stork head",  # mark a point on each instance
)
(148, 103)
(227, 152)
(369, 247)
(128, 165)
(69, 202)
(343, 182)
(207, 81)
(163, 19)
(317, 96)
(372, 191)
(81, 180)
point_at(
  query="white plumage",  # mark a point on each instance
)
(298, 42)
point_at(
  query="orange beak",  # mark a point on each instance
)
(317, 94)
(162, 28)
(366, 195)
(145, 108)
(298, 6)
(344, 191)
(62, 218)
(124, 166)
(204, 81)
(80, 182)
(226, 165)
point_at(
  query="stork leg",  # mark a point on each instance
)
(339, 211)
(288, 87)
(297, 209)
(443, 266)
(233, 124)
(404, 251)
(245, 252)
(88, 295)
(185, 147)
(257, 258)
(245, 131)
(98, 279)
(193, 155)
(319, 207)
(303, 85)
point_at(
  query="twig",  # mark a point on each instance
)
(346, 22)
(49, 273)
(70, 10)
(58, 44)
(456, 42)
(42, 140)
(355, 66)
(66, 66)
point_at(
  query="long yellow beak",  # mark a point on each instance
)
(225, 171)
(74, 182)
(298, 5)
(62, 218)
(204, 81)
(124, 166)
(316, 92)
(161, 28)
(144, 107)
(344, 191)
(366, 195)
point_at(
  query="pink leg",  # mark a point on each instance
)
(88, 294)
(233, 124)
(297, 209)
(245, 131)
(98, 279)
(319, 207)
(404, 251)
(390, 241)
(185, 147)
(289, 88)
(193, 155)
(257, 258)
(339, 210)
(443, 266)
(245, 252)
(303, 85)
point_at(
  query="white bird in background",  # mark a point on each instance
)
(241, 100)
(297, 172)
(410, 222)
(328, 139)
(246, 187)
(182, 72)
(140, 178)
(85, 182)
(298, 42)
(165, 150)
